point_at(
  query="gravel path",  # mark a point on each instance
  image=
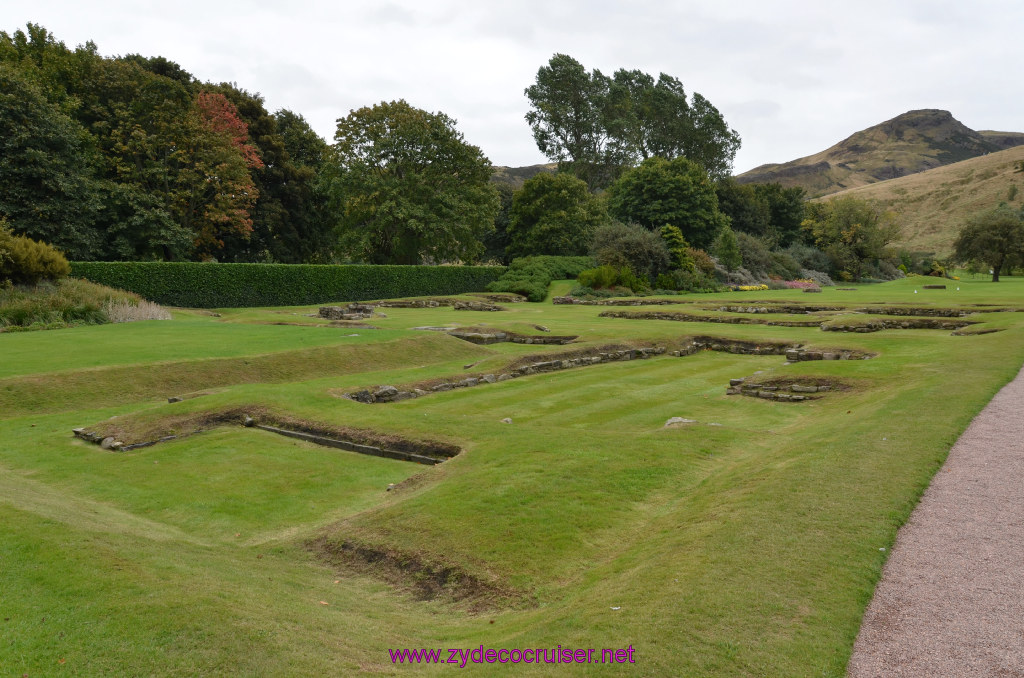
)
(951, 599)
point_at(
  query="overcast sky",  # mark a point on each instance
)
(792, 77)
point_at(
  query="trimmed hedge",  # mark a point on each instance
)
(208, 285)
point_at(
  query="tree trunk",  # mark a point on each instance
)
(996, 266)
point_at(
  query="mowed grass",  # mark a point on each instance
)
(745, 544)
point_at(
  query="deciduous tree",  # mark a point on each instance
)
(995, 237)
(553, 214)
(676, 192)
(851, 231)
(408, 188)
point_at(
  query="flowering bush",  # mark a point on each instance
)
(750, 288)
(801, 284)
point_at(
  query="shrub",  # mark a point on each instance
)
(70, 301)
(531, 276)
(617, 244)
(208, 285)
(24, 261)
(809, 257)
(581, 292)
(822, 279)
(727, 249)
(607, 277)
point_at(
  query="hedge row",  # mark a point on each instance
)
(201, 285)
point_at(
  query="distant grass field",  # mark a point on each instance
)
(747, 543)
(932, 206)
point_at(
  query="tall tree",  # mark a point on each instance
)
(851, 231)
(746, 210)
(553, 214)
(408, 188)
(786, 210)
(676, 192)
(995, 237)
(570, 120)
(595, 126)
(47, 188)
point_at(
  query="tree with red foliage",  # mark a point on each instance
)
(222, 191)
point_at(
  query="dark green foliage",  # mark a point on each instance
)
(47, 189)
(850, 231)
(407, 187)
(633, 246)
(595, 126)
(531, 276)
(786, 209)
(496, 243)
(287, 226)
(678, 248)
(727, 249)
(553, 214)
(809, 257)
(687, 280)
(744, 207)
(676, 192)
(208, 285)
(762, 262)
(609, 277)
(24, 261)
(995, 237)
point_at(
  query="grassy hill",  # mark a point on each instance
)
(932, 206)
(910, 143)
(515, 176)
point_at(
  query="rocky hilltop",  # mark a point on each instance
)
(913, 142)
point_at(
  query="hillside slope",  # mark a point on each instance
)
(931, 206)
(515, 176)
(910, 143)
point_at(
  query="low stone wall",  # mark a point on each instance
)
(792, 309)
(922, 311)
(502, 336)
(617, 302)
(733, 346)
(878, 325)
(690, 318)
(476, 306)
(350, 312)
(500, 297)
(793, 393)
(391, 394)
(420, 453)
(416, 303)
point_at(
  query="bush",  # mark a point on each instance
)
(208, 285)
(809, 257)
(581, 292)
(69, 302)
(24, 261)
(617, 244)
(822, 279)
(531, 276)
(608, 277)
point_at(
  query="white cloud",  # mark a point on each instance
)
(791, 77)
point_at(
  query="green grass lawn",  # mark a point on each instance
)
(745, 544)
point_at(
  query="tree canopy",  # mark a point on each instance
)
(553, 214)
(850, 231)
(676, 192)
(407, 188)
(595, 126)
(995, 237)
(150, 162)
